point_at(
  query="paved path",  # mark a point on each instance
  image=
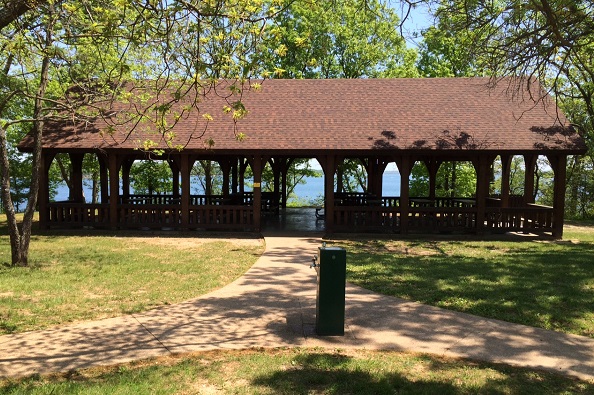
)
(272, 305)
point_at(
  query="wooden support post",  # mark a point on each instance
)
(242, 167)
(530, 161)
(103, 178)
(432, 168)
(559, 164)
(377, 166)
(175, 170)
(114, 189)
(285, 170)
(126, 165)
(185, 170)
(481, 166)
(404, 167)
(225, 165)
(234, 176)
(76, 178)
(257, 170)
(329, 164)
(277, 165)
(506, 161)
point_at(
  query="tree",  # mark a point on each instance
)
(151, 176)
(210, 176)
(444, 53)
(338, 39)
(550, 41)
(89, 48)
(453, 179)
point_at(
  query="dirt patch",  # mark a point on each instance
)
(189, 243)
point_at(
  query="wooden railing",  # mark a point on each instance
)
(442, 214)
(152, 216)
(150, 199)
(533, 217)
(366, 218)
(221, 217)
(441, 218)
(78, 214)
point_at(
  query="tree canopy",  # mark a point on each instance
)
(72, 58)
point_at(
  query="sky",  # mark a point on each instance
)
(418, 19)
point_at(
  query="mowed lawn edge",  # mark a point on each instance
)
(80, 276)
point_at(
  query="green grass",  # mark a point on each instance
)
(545, 284)
(81, 276)
(302, 371)
(74, 277)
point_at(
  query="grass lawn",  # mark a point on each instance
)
(301, 371)
(85, 276)
(82, 276)
(545, 284)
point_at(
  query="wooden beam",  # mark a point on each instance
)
(329, 165)
(559, 165)
(76, 177)
(114, 189)
(257, 164)
(185, 170)
(404, 164)
(482, 165)
(506, 161)
(530, 164)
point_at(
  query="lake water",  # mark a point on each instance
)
(312, 189)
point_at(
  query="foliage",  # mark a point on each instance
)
(445, 53)
(151, 177)
(209, 175)
(338, 39)
(454, 179)
(551, 41)
(72, 59)
(351, 176)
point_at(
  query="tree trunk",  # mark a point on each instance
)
(13, 230)
(20, 237)
(207, 166)
(454, 179)
(95, 178)
(65, 175)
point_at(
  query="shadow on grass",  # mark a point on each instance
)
(338, 374)
(546, 285)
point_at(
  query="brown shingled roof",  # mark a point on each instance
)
(304, 116)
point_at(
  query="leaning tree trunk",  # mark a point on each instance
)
(13, 229)
(20, 237)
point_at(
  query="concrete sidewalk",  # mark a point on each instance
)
(273, 305)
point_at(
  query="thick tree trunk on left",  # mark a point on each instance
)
(20, 236)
